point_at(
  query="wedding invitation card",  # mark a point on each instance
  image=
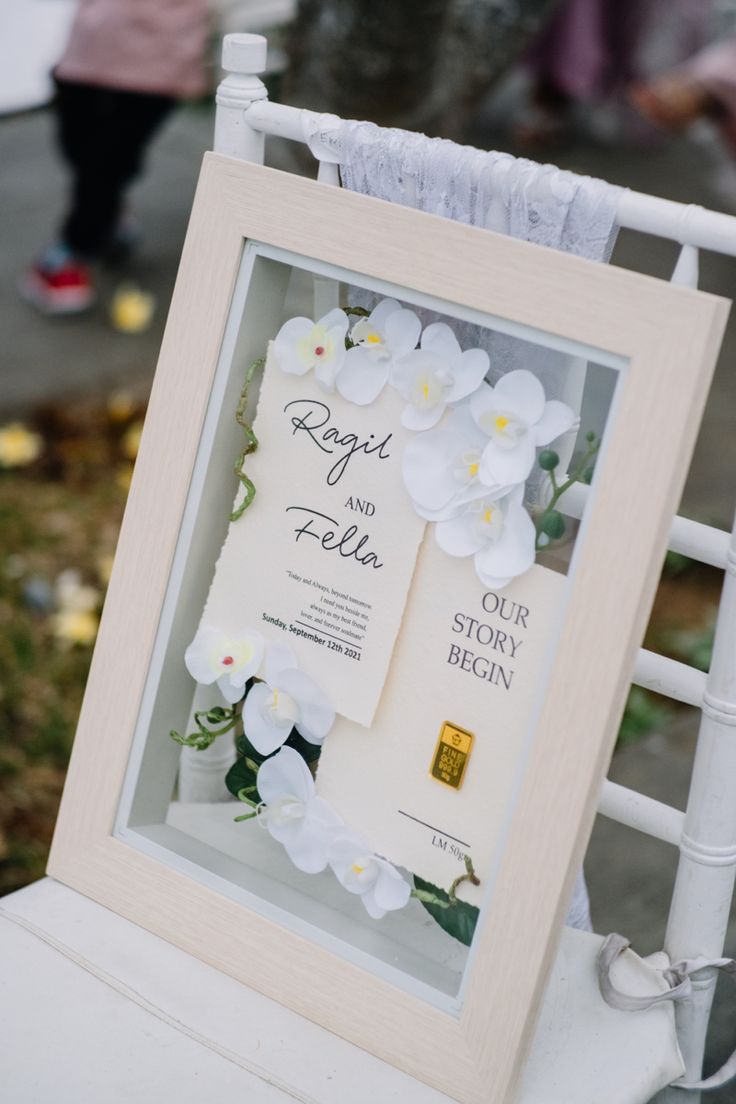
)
(324, 557)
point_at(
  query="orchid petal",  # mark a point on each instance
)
(265, 732)
(361, 377)
(335, 322)
(405, 370)
(402, 330)
(459, 535)
(417, 420)
(459, 503)
(492, 582)
(279, 657)
(427, 470)
(196, 657)
(481, 402)
(370, 904)
(284, 773)
(557, 419)
(469, 372)
(285, 345)
(381, 313)
(308, 849)
(520, 393)
(513, 553)
(439, 339)
(390, 891)
(316, 715)
(231, 691)
(508, 465)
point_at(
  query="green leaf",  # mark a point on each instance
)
(241, 777)
(458, 920)
(553, 524)
(310, 753)
(548, 460)
(244, 747)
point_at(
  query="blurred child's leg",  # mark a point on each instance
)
(103, 133)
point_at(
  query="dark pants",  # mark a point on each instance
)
(103, 133)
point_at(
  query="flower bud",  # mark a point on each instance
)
(548, 460)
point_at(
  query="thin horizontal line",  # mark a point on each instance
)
(323, 632)
(446, 834)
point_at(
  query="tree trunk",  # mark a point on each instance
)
(408, 63)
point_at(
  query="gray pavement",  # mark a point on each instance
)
(630, 875)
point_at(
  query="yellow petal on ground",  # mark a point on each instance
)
(124, 476)
(18, 445)
(75, 627)
(104, 567)
(131, 309)
(131, 440)
(120, 406)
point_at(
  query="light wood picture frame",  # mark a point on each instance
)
(666, 341)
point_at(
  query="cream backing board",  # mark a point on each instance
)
(338, 611)
(380, 781)
(671, 337)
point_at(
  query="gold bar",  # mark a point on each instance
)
(451, 755)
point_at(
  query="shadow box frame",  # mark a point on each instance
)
(669, 337)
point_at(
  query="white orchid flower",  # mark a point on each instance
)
(389, 332)
(292, 813)
(286, 699)
(379, 884)
(441, 467)
(517, 420)
(229, 659)
(497, 532)
(302, 344)
(437, 375)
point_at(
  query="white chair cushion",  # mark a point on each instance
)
(95, 1008)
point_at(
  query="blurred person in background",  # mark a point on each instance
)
(587, 52)
(702, 88)
(126, 66)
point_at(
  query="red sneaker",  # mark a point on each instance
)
(58, 283)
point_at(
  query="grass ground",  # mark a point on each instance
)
(59, 518)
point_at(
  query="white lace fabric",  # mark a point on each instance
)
(536, 203)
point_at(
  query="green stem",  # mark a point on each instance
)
(205, 737)
(468, 876)
(251, 442)
(243, 796)
(558, 489)
(428, 898)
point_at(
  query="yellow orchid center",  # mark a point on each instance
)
(357, 868)
(487, 515)
(473, 470)
(501, 422)
(373, 339)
